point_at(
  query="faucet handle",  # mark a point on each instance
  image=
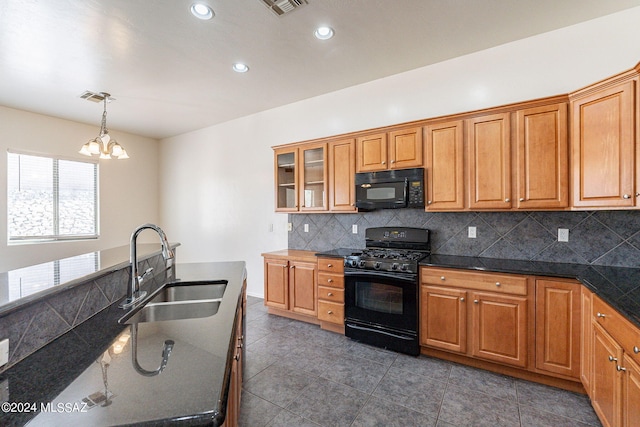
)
(145, 274)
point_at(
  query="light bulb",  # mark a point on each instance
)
(94, 147)
(116, 150)
(124, 155)
(85, 150)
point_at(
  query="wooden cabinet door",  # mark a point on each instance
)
(371, 152)
(603, 148)
(586, 332)
(558, 327)
(499, 328)
(302, 288)
(313, 177)
(286, 179)
(605, 385)
(443, 318)
(405, 148)
(630, 393)
(444, 147)
(276, 279)
(489, 161)
(542, 157)
(342, 170)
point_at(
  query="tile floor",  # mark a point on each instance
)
(299, 375)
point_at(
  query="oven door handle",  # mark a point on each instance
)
(372, 274)
(402, 337)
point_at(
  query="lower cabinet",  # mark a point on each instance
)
(235, 381)
(290, 283)
(331, 294)
(455, 317)
(614, 380)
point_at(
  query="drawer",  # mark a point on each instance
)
(333, 265)
(331, 312)
(331, 294)
(330, 279)
(623, 331)
(501, 283)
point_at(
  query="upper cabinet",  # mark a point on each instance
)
(399, 149)
(542, 160)
(444, 154)
(301, 178)
(342, 170)
(603, 145)
(489, 161)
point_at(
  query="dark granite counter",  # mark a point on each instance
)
(618, 286)
(56, 385)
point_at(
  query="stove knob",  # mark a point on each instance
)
(361, 264)
(395, 266)
(377, 265)
(354, 263)
(403, 267)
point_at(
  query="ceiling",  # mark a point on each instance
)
(170, 73)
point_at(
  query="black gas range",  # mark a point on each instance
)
(381, 288)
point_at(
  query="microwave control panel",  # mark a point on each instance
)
(415, 197)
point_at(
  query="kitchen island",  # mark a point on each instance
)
(88, 375)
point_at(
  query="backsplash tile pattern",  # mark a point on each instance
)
(37, 324)
(595, 237)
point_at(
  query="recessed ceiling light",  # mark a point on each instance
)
(239, 67)
(323, 33)
(201, 11)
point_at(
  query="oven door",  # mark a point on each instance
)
(386, 300)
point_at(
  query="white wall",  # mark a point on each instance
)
(217, 183)
(128, 188)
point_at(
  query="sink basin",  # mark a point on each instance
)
(179, 300)
(189, 291)
(174, 311)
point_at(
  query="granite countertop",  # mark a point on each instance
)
(97, 354)
(618, 286)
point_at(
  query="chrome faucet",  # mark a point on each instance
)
(134, 294)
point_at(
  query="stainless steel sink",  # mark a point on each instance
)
(174, 311)
(179, 300)
(189, 291)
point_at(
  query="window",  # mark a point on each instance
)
(50, 198)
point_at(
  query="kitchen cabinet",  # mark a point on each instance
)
(444, 154)
(558, 305)
(615, 379)
(397, 149)
(603, 139)
(586, 339)
(331, 294)
(496, 306)
(542, 160)
(489, 161)
(342, 170)
(301, 178)
(235, 385)
(290, 283)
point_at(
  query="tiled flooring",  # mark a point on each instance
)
(299, 375)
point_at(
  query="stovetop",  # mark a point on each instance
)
(381, 259)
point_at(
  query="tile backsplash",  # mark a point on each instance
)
(595, 237)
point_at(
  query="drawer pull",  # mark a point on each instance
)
(329, 280)
(497, 283)
(613, 359)
(329, 265)
(329, 312)
(626, 196)
(507, 200)
(462, 299)
(475, 301)
(621, 368)
(636, 350)
(329, 294)
(600, 315)
(441, 277)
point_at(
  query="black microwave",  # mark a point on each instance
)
(392, 189)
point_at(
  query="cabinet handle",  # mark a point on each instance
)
(475, 301)
(637, 194)
(329, 265)
(613, 359)
(428, 202)
(522, 199)
(498, 284)
(626, 196)
(292, 267)
(329, 312)
(621, 368)
(236, 357)
(329, 280)
(393, 161)
(636, 350)
(329, 294)
(441, 277)
(384, 163)
(600, 315)
(462, 299)
(507, 200)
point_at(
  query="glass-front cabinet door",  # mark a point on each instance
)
(286, 180)
(313, 194)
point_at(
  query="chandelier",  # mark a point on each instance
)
(103, 144)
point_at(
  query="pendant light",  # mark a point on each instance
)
(103, 145)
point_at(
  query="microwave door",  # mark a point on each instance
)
(382, 195)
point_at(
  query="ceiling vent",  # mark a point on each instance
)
(280, 7)
(95, 97)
